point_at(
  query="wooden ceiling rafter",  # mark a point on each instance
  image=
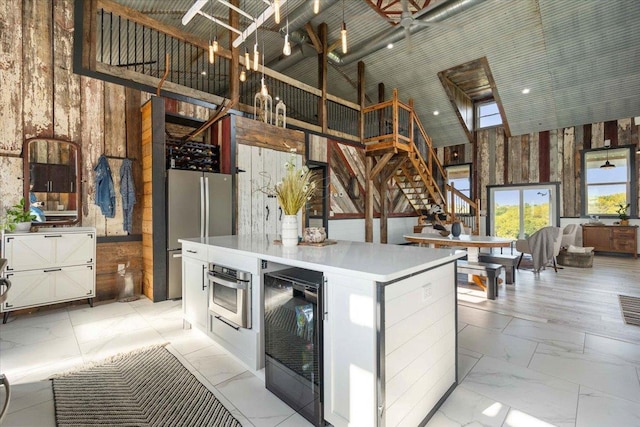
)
(391, 10)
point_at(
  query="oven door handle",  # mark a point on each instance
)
(227, 283)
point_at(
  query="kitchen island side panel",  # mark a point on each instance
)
(419, 344)
(350, 351)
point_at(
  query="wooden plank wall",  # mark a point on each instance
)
(347, 161)
(548, 156)
(48, 100)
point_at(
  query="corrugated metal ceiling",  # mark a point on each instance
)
(579, 57)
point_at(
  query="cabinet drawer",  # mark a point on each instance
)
(50, 249)
(624, 234)
(47, 286)
(194, 250)
(624, 245)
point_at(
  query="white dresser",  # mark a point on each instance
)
(49, 266)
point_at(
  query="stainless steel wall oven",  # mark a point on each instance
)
(230, 295)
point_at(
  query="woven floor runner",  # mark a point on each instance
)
(144, 388)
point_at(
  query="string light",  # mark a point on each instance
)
(343, 32)
(256, 54)
(276, 7)
(286, 49)
(263, 90)
(213, 45)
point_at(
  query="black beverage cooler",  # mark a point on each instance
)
(293, 312)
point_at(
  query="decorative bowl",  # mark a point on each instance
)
(314, 234)
(444, 233)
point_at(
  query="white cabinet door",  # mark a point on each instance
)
(350, 351)
(74, 249)
(44, 250)
(74, 283)
(29, 288)
(195, 292)
(244, 189)
(29, 252)
(37, 287)
(259, 214)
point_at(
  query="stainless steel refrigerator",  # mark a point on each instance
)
(199, 204)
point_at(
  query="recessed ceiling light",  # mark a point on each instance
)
(390, 46)
(526, 90)
(435, 113)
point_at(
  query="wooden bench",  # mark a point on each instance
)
(508, 261)
(487, 269)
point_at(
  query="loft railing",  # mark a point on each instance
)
(132, 48)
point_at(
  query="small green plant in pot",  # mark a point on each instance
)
(622, 213)
(17, 219)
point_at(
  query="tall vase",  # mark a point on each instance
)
(456, 229)
(290, 230)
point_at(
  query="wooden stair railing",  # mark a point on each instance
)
(463, 209)
(393, 129)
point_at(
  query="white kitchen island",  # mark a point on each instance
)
(389, 328)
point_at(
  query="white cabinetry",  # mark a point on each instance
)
(49, 266)
(195, 286)
(258, 213)
(393, 343)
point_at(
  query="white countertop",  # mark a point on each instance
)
(379, 262)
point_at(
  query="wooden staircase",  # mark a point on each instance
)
(399, 148)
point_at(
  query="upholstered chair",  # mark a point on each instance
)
(569, 235)
(543, 246)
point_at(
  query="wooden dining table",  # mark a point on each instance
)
(471, 243)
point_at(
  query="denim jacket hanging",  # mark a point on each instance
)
(128, 193)
(105, 192)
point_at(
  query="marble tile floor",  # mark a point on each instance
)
(514, 369)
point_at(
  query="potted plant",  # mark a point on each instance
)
(293, 192)
(622, 214)
(17, 219)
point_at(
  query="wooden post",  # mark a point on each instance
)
(234, 71)
(368, 201)
(322, 77)
(384, 207)
(381, 98)
(361, 99)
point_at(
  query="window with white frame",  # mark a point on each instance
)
(487, 114)
(607, 183)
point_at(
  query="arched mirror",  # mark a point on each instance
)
(52, 180)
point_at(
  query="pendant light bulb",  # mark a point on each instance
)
(243, 75)
(263, 90)
(247, 63)
(215, 45)
(256, 57)
(316, 6)
(343, 35)
(212, 55)
(286, 50)
(276, 8)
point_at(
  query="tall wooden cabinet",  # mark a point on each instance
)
(50, 266)
(611, 238)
